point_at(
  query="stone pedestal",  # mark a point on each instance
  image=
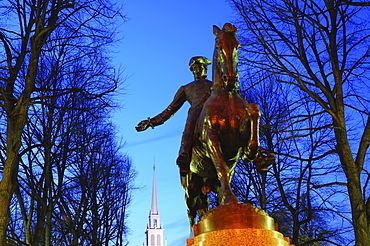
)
(237, 225)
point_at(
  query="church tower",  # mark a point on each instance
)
(154, 230)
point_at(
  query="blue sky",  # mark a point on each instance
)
(159, 39)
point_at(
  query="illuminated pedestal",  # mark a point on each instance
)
(237, 225)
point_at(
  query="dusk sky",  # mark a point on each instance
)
(159, 39)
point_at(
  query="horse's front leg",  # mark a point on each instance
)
(251, 151)
(215, 152)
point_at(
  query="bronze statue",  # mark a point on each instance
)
(221, 128)
(227, 129)
(196, 93)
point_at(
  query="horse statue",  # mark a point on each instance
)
(227, 129)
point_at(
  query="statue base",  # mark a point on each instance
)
(237, 225)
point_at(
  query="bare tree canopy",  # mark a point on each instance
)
(55, 57)
(322, 49)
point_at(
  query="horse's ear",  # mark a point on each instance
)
(229, 28)
(216, 30)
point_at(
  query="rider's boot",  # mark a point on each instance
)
(183, 161)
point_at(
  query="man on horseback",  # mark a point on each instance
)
(196, 93)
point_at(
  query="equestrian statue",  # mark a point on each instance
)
(226, 128)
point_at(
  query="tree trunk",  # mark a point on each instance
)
(16, 122)
(17, 114)
(352, 172)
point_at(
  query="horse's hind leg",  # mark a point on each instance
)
(192, 185)
(203, 201)
(214, 148)
(191, 217)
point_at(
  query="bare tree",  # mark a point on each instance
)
(322, 48)
(74, 184)
(303, 150)
(98, 192)
(24, 40)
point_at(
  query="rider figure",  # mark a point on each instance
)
(196, 93)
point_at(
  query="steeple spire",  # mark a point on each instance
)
(154, 230)
(154, 209)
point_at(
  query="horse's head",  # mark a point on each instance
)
(225, 58)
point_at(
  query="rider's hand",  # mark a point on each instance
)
(143, 125)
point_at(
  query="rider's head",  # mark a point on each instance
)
(198, 65)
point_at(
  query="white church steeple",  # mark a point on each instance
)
(154, 231)
(154, 209)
